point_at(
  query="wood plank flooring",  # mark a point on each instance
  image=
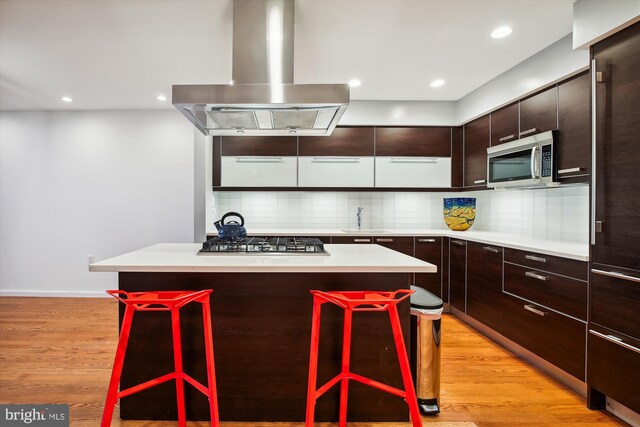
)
(60, 350)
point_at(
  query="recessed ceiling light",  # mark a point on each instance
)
(161, 98)
(66, 99)
(354, 82)
(498, 33)
(437, 83)
(231, 82)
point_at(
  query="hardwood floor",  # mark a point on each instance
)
(60, 350)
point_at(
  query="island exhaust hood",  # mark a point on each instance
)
(262, 99)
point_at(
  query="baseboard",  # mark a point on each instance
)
(622, 412)
(56, 294)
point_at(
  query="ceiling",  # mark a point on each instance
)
(121, 54)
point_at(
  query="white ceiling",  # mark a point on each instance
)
(120, 54)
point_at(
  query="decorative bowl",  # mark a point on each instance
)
(459, 212)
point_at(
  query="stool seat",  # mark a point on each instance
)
(171, 301)
(357, 301)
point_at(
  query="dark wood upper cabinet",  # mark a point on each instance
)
(457, 157)
(343, 141)
(259, 146)
(476, 142)
(539, 113)
(504, 124)
(413, 141)
(573, 147)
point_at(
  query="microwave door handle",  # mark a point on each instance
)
(534, 163)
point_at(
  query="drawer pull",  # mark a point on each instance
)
(458, 242)
(528, 131)
(336, 160)
(362, 240)
(534, 310)
(535, 276)
(426, 240)
(258, 159)
(490, 249)
(535, 258)
(615, 340)
(616, 275)
(480, 181)
(384, 240)
(506, 138)
(413, 160)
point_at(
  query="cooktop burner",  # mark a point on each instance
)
(265, 245)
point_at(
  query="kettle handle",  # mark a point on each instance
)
(228, 214)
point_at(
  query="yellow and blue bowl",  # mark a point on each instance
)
(459, 212)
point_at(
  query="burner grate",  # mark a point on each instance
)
(279, 245)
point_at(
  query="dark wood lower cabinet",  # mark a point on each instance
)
(484, 284)
(557, 338)
(401, 244)
(458, 273)
(429, 249)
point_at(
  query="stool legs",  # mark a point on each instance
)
(211, 373)
(346, 355)
(177, 362)
(313, 362)
(112, 393)
(411, 398)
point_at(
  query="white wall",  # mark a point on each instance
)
(100, 183)
(595, 20)
(400, 113)
(560, 214)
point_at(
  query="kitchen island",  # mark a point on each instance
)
(261, 310)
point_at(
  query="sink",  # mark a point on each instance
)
(364, 231)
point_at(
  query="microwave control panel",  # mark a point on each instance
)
(547, 161)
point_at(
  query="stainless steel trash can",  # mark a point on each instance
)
(426, 311)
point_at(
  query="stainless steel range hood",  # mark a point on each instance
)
(262, 99)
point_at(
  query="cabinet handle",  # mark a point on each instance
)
(535, 276)
(336, 160)
(412, 160)
(528, 131)
(362, 240)
(535, 258)
(426, 240)
(616, 275)
(490, 249)
(593, 149)
(384, 240)
(479, 181)
(258, 159)
(569, 170)
(458, 242)
(615, 340)
(505, 138)
(532, 309)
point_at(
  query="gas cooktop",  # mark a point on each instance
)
(265, 246)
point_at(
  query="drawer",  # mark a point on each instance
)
(554, 264)
(351, 239)
(615, 299)
(401, 244)
(613, 366)
(557, 292)
(554, 337)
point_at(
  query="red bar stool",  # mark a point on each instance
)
(352, 301)
(171, 301)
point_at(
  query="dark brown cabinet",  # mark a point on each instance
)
(259, 146)
(476, 142)
(504, 124)
(573, 147)
(401, 244)
(413, 141)
(429, 249)
(343, 141)
(484, 284)
(539, 113)
(458, 274)
(351, 239)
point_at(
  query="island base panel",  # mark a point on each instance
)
(261, 334)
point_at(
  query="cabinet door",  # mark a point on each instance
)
(458, 274)
(325, 171)
(413, 141)
(259, 171)
(476, 142)
(429, 249)
(573, 147)
(400, 244)
(504, 124)
(413, 172)
(259, 146)
(617, 153)
(343, 141)
(539, 113)
(484, 284)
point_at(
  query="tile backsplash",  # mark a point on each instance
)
(556, 213)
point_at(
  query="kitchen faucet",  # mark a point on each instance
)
(359, 216)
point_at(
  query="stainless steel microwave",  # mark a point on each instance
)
(528, 162)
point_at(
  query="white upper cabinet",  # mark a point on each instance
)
(413, 172)
(259, 171)
(338, 171)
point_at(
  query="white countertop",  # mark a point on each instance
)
(183, 257)
(571, 250)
